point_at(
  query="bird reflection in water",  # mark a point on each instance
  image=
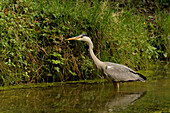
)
(122, 100)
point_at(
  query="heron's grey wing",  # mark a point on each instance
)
(120, 72)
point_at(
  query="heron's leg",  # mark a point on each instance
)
(116, 84)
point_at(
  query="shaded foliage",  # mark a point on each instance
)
(33, 46)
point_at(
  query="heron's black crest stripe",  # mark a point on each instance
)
(84, 35)
(139, 74)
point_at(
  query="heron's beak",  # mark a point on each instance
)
(74, 38)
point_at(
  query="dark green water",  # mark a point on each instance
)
(101, 98)
(152, 96)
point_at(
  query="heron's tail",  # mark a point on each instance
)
(142, 78)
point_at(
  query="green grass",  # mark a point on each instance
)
(33, 46)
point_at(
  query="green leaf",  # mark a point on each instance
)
(56, 61)
(56, 54)
(57, 69)
(165, 55)
(74, 74)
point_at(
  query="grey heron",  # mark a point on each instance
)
(116, 72)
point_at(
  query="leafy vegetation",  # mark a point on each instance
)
(33, 46)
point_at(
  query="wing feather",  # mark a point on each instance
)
(122, 73)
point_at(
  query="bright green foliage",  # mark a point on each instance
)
(33, 32)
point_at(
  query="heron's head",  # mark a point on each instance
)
(82, 37)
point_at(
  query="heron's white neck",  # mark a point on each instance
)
(95, 59)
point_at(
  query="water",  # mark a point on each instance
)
(134, 97)
(101, 98)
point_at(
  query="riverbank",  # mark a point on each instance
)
(33, 46)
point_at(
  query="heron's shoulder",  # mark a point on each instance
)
(110, 65)
(113, 64)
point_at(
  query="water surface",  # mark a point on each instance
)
(134, 97)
